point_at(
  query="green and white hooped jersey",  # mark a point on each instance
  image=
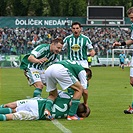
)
(39, 52)
(72, 66)
(60, 108)
(77, 48)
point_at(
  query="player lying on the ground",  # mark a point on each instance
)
(33, 109)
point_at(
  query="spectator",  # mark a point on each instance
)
(23, 38)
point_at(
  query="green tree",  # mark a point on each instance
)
(35, 8)
(55, 7)
(67, 7)
(18, 7)
(25, 7)
(46, 8)
(3, 7)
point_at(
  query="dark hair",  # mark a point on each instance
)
(89, 73)
(129, 11)
(76, 23)
(83, 109)
(58, 40)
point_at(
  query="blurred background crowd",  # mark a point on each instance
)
(16, 41)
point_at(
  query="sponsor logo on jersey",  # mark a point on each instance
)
(35, 72)
(75, 47)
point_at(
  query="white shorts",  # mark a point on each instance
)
(35, 75)
(27, 111)
(83, 63)
(57, 73)
(20, 102)
(131, 68)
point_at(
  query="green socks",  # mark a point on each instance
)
(2, 117)
(74, 107)
(37, 92)
(5, 110)
(49, 104)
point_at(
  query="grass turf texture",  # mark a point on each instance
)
(109, 94)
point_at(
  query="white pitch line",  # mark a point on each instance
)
(60, 126)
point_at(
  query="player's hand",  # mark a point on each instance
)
(116, 44)
(86, 105)
(42, 60)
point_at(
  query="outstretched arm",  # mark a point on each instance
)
(128, 42)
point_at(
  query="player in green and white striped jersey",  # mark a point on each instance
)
(33, 109)
(78, 45)
(34, 63)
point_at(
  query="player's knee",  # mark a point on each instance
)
(80, 89)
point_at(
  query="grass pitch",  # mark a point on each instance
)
(109, 94)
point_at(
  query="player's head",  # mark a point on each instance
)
(88, 73)
(83, 111)
(76, 28)
(130, 14)
(56, 45)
